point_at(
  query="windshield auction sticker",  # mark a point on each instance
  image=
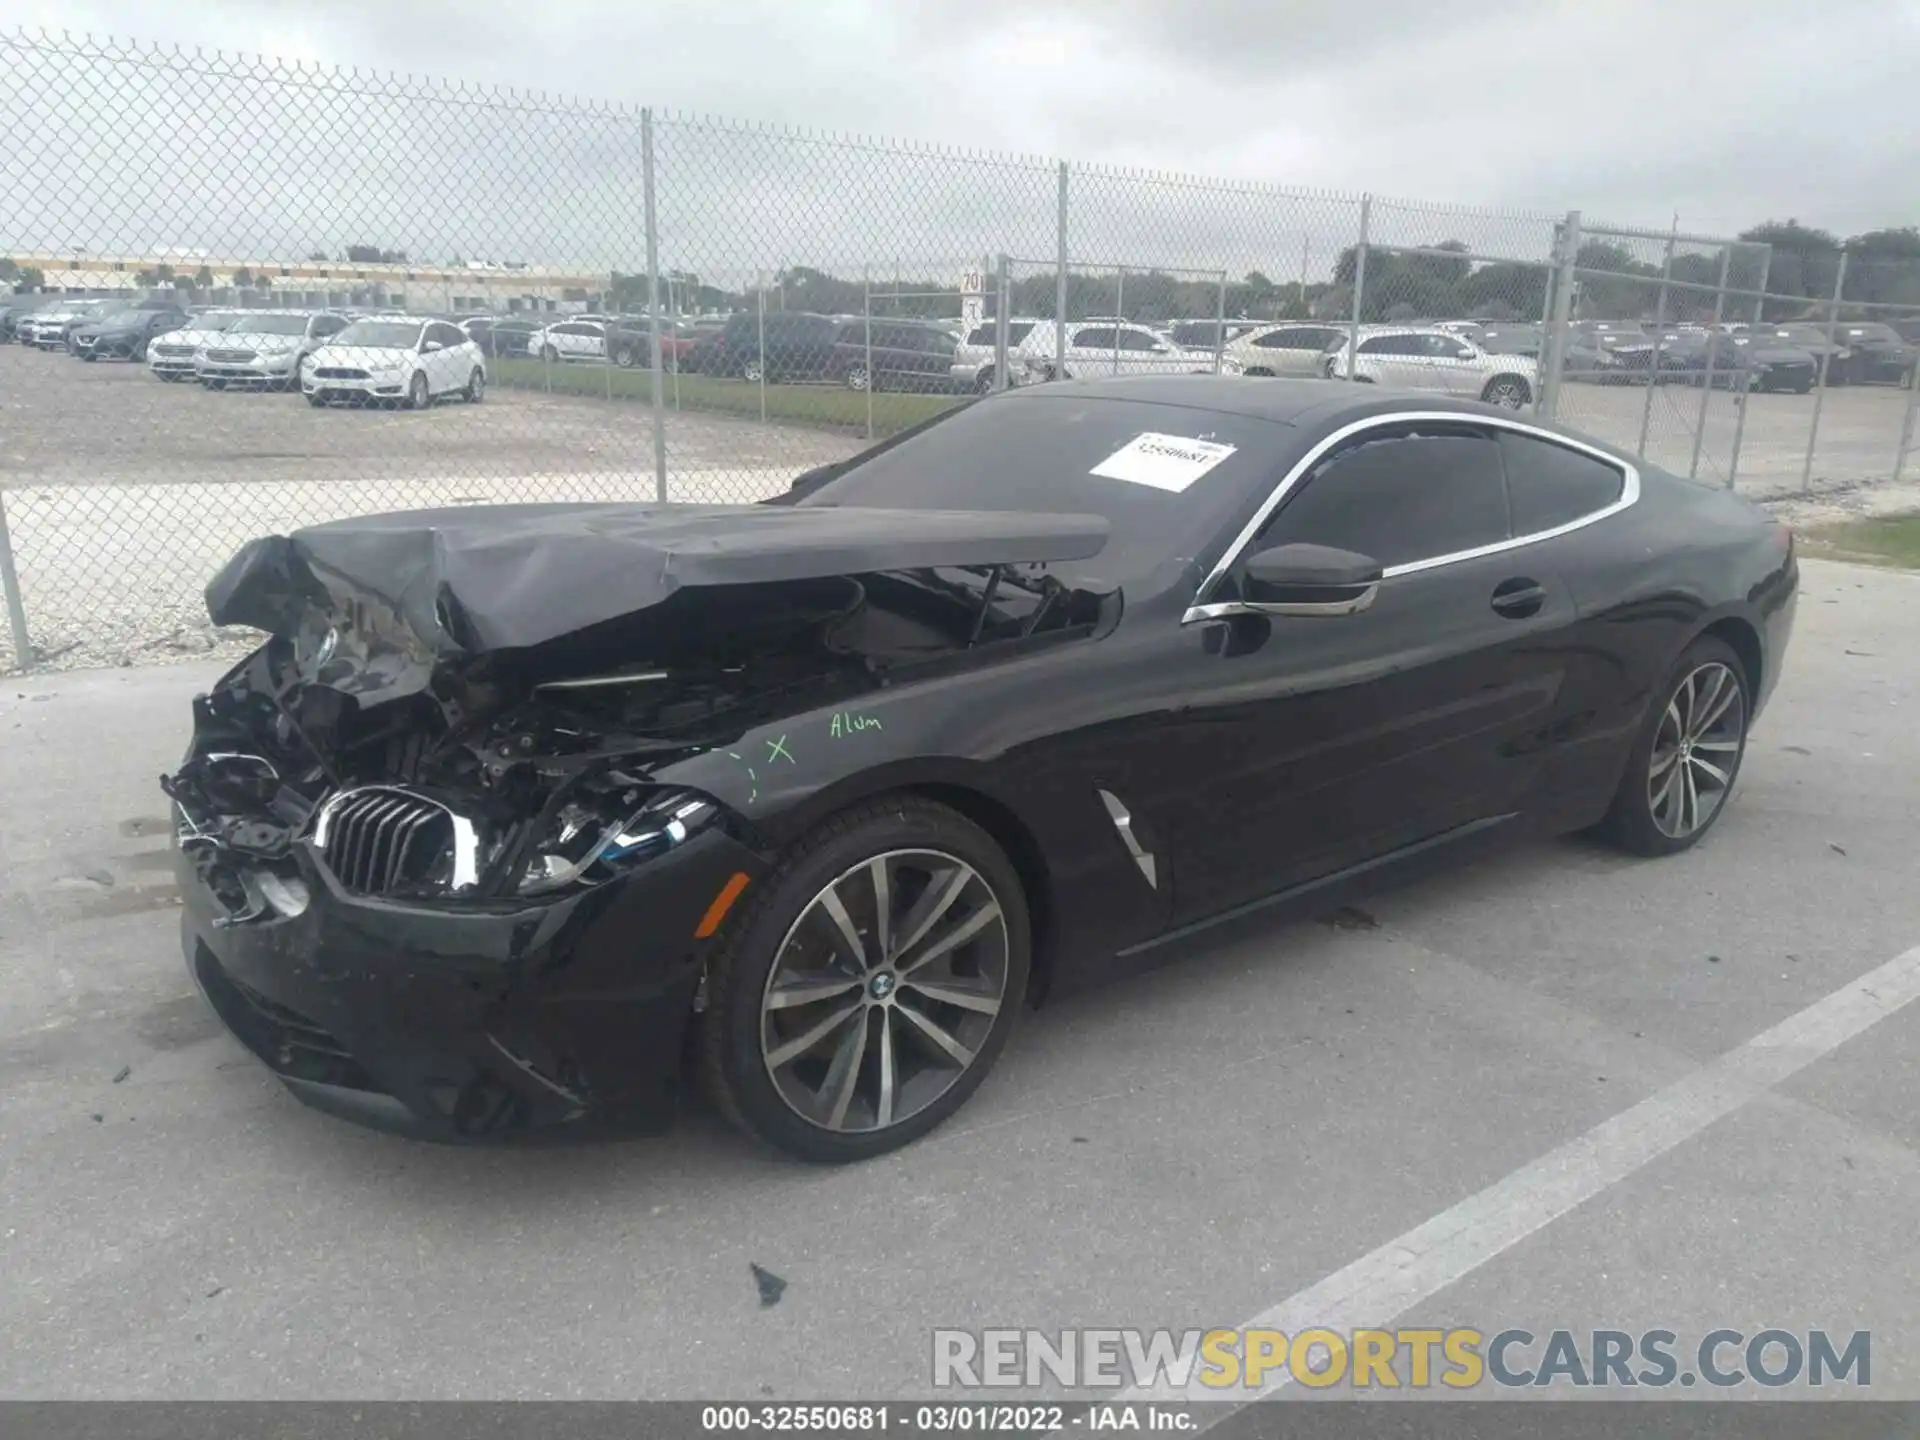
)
(1166, 462)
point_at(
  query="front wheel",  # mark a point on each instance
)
(1509, 392)
(752, 372)
(858, 379)
(476, 390)
(864, 994)
(1683, 766)
(550, 355)
(418, 395)
(626, 357)
(983, 382)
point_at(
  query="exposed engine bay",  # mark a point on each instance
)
(526, 772)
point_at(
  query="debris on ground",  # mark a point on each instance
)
(1350, 917)
(125, 1071)
(771, 1285)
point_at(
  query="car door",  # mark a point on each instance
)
(447, 365)
(1323, 742)
(1090, 350)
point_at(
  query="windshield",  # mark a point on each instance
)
(270, 325)
(390, 334)
(1037, 453)
(215, 320)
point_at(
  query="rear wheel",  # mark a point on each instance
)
(418, 395)
(752, 372)
(858, 379)
(983, 382)
(1509, 392)
(1684, 764)
(626, 357)
(863, 995)
(476, 390)
(550, 355)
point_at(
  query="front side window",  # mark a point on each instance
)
(1138, 340)
(1389, 345)
(1097, 338)
(1400, 496)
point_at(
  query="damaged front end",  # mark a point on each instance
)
(430, 873)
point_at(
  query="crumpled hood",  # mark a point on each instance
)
(462, 582)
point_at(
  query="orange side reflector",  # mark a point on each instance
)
(722, 903)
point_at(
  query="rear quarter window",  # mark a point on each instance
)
(1551, 485)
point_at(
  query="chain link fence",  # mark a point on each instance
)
(665, 306)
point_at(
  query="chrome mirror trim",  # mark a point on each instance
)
(1351, 605)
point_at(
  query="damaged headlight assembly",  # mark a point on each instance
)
(592, 842)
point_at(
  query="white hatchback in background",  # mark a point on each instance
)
(396, 359)
(1413, 358)
(1293, 348)
(571, 340)
(1105, 348)
(973, 356)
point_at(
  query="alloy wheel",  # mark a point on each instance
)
(884, 990)
(1696, 750)
(1507, 394)
(857, 378)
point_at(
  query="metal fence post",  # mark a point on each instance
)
(1713, 347)
(653, 311)
(1359, 288)
(1002, 290)
(760, 341)
(1899, 458)
(866, 328)
(1554, 345)
(1220, 326)
(1659, 322)
(1060, 284)
(1120, 310)
(1746, 384)
(10, 584)
(1826, 361)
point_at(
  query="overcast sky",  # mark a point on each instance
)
(1726, 111)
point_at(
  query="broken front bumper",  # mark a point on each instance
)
(492, 1021)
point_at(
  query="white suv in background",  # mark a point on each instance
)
(1293, 348)
(1109, 348)
(973, 356)
(396, 359)
(1427, 358)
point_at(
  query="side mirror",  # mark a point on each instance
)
(1305, 579)
(430, 346)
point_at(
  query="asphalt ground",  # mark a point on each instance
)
(1559, 1089)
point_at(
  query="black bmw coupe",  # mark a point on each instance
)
(523, 813)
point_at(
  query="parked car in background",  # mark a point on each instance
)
(1294, 348)
(1112, 349)
(1208, 334)
(46, 329)
(893, 355)
(973, 354)
(125, 334)
(785, 346)
(1731, 362)
(507, 336)
(1426, 359)
(1772, 363)
(571, 341)
(1880, 355)
(396, 360)
(1589, 358)
(1515, 339)
(173, 356)
(1908, 330)
(1842, 367)
(16, 308)
(265, 348)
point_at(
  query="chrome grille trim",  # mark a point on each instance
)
(231, 357)
(377, 838)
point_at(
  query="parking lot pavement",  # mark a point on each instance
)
(1190, 1149)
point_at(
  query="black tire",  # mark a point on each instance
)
(317, 401)
(419, 393)
(1509, 392)
(550, 355)
(752, 371)
(1261, 372)
(858, 378)
(1631, 822)
(214, 384)
(626, 357)
(983, 382)
(139, 352)
(732, 1064)
(476, 390)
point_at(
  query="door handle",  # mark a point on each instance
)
(1518, 598)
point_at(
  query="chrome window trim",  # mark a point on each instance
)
(1199, 610)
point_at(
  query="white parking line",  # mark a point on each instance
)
(1390, 1280)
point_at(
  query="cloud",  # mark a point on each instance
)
(1726, 111)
